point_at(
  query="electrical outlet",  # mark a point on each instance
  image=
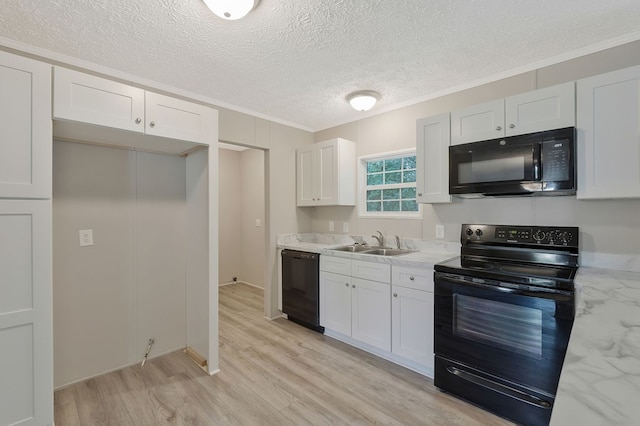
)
(258, 222)
(86, 237)
(332, 226)
(440, 232)
(345, 226)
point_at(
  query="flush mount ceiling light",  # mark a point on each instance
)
(363, 100)
(231, 9)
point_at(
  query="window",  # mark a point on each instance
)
(388, 185)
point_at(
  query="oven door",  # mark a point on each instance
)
(501, 337)
(503, 166)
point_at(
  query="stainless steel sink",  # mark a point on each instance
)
(353, 248)
(380, 251)
(388, 251)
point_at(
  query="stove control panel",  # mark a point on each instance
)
(507, 234)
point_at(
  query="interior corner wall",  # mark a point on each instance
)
(230, 216)
(609, 226)
(110, 298)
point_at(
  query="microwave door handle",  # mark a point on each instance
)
(537, 150)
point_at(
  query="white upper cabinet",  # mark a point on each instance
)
(432, 159)
(326, 174)
(94, 109)
(609, 135)
(478, 122)
(544, 109)
(25, 128)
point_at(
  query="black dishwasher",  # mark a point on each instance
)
(300, 288)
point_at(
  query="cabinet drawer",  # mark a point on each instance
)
(373, 271)
(337, 265)
(417, 278)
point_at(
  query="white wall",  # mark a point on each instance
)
(110, 298)
(230, 216)
(252, 208)
(606, 226)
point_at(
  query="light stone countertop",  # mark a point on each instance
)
(600, 380)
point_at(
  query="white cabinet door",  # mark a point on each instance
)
(335, 302)
(25, 128)
(327, 177)
(432, 159)
(371, 313)
(26, 348)
(543, 109)
(609, 135)
(412, 320)
(305, 180)
(478, 122)
(177, 119)
(88, 99)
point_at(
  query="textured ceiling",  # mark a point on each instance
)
(297, 60)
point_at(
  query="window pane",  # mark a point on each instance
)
(375, 166)
(409, 162)
(395, 164)
(374, 206)
(391, 206)
(394, 177)
(408, 193)
(391, 194)
(375, 179)
(409, 206)
(409, 176)
(377, 195)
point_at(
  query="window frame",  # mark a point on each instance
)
(362, 186)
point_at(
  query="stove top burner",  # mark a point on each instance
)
(540, 256)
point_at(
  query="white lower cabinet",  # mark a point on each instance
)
(355, 305)
(371, 313)
(382, 309)
(412, 315)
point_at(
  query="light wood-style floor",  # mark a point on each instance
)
(272, 373)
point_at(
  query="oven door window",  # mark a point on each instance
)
(505, 326)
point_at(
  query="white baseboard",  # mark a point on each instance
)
(241, 282)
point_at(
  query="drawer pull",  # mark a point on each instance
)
(412, 278)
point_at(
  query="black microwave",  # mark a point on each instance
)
(542, 163)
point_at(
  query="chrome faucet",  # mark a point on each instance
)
(380, 238)
(398, 242)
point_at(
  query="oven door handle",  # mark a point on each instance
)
(508, 288)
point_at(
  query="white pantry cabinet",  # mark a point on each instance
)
(25, 128)
(538, 110)
(26, 349)
(356, 304)
(609, 135)
(87, 107)
(432, 159)
(412, 314)
(326, 174)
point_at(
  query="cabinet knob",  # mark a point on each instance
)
(512, 126)
(138, 120)
(353, 285)
(419, 194)
(152, 124)
(412, 278)
(499, 128)
(395, 294)
(346, 284)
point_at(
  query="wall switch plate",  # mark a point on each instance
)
(332, 225)
(440, 232)
(86, 237)
(345, 226)
(258, 222)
